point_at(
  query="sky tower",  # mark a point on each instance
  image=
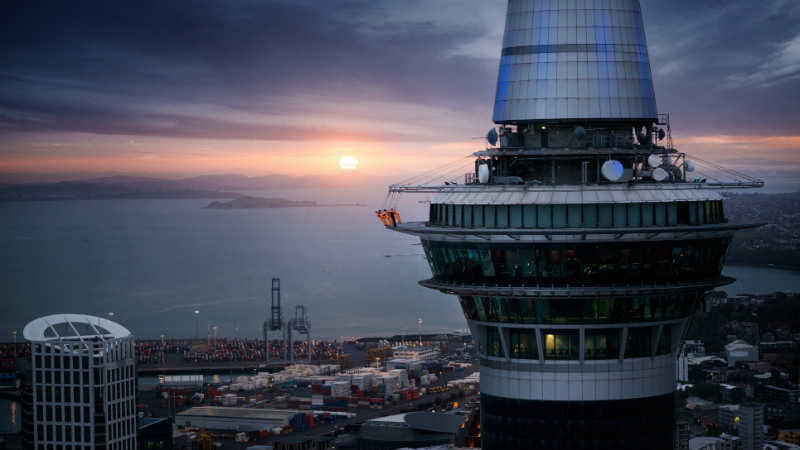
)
(582, 241)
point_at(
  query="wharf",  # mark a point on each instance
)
(204, 368)
(174, 364)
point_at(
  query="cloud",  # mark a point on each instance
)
(781, 67)
(725, 65)
(227, 68)
(400, 73)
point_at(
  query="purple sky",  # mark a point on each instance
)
(291, 86)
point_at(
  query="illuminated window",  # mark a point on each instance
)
(561, 344)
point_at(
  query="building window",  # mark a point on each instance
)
(665, 342)
(577, 215)
(544, 216)
(561, 344)
(523, 344)
(639, 342)
(493, 343)
(577, 311)
(601, 344)
(604, 215)
(502, 216)
(576, 263)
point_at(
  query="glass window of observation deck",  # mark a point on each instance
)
(601, 344)
(639, 342)
(493, 343)
(523, 344)
(665, 341)
(561, 344)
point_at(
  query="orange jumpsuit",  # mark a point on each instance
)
(396, 215)
(383, 218)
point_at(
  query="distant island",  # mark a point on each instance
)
(247, 202)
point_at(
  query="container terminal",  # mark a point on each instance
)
(225, 395)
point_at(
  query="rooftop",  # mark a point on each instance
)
(73, 327)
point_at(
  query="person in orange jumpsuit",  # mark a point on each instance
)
(382, 217)
(390, 215)
(396, 215)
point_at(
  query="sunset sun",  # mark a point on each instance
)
(348, 162)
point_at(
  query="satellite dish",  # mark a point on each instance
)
(580, 133)
(689, 165)
(667, 160)
(660, 174)
(611, 170)
(491, 136)
(661, 134)
(654, 160)
(483, 173)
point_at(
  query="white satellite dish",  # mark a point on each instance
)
(660, 174)
(611, 170)
(689, 165)
(667, 160)
(483, 174)
(654, 160)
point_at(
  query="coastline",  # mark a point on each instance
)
(764, 266)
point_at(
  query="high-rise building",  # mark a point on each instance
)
(582, 241)
(81, 391)
(751, 425)
(681, 438)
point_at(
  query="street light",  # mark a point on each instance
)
(420, 331)
(110, 316)
(215, 336)
(196, 323)
(15, 344)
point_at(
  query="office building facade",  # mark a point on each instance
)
(82, 386)
(751, 425)
(582, 241)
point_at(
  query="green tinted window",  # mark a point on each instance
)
(523, 344)
(601, 344)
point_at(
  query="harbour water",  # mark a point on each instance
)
(154, 262)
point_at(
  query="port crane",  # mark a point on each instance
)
(302, 325)
(275, 321)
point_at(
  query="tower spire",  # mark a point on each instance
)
(578, 59)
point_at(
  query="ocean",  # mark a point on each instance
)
(152, 263)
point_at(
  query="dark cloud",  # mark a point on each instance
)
(109, 65)
(726, 67)
(254, 70)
